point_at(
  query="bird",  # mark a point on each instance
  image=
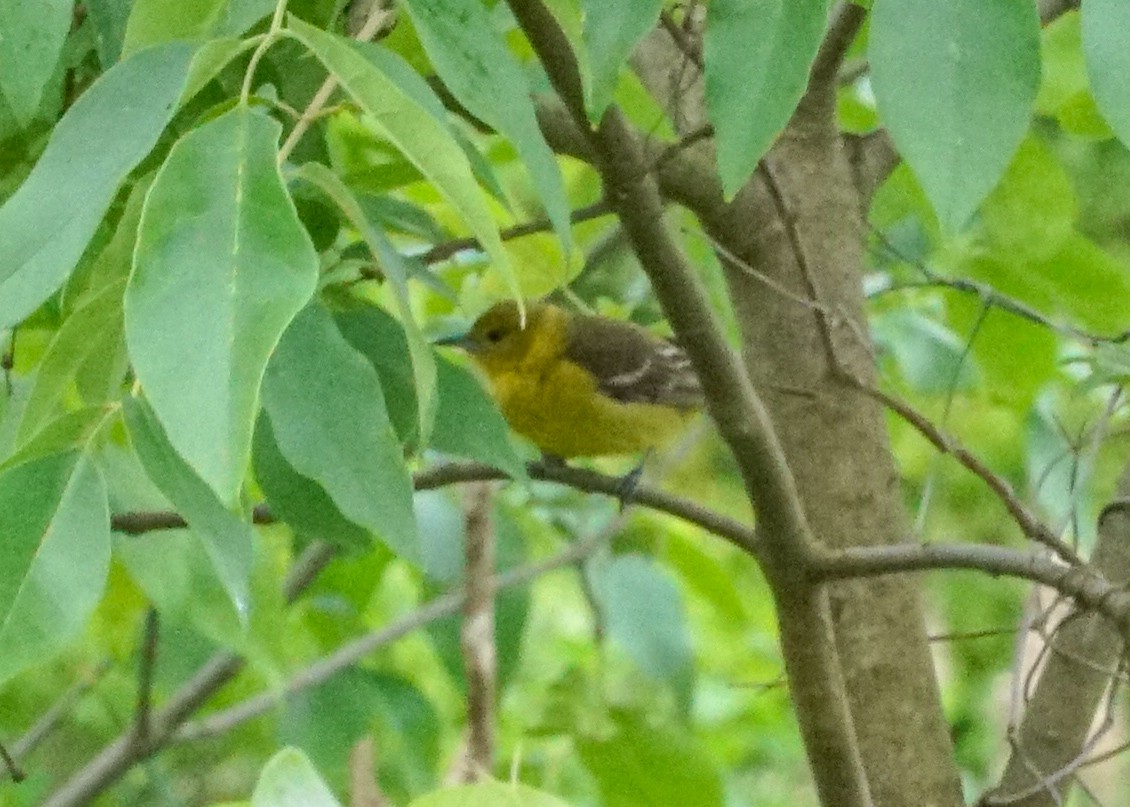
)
(579, 385)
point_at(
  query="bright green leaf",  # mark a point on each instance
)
(644, 614)
(1106, 45)
(47, 223)
(226, 536)
(480, 70)
(415, 132)
(289, 780)
(328, 416)
(152, 22)
(31, 39)
(757, 58)
(641, 764)
(1031, 213)
(222, 266)
(491, 794)
(55, 552)
(954, 83)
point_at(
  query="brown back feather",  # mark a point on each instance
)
(632, 365)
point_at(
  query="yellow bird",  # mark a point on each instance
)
(582, 386)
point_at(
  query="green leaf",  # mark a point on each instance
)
(153, 22)
(480, 70)
(226, 536)
(32, 39)
(931, 357)
(954, 83)
(492, 794)
(757, 58)
(300, 502)
(108, 19)
(289, 780)
(328, 415)
(55, 552)
(222, 265)
(47, 223)
(1031, 213)
(612, 28)
(645, 616)
(423, 364)
(94, 328)
(414, 132)
(1106, 46)
(642, 764)
(468, 423)
(1059, 475)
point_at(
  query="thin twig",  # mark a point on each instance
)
(377, 19)
(353, 652)
(145, 676)
(1029, 524)
(444, 250)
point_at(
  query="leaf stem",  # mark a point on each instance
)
(274, 33)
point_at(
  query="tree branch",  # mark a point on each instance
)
(1053, 735)
(1083, 584)
(477, 631)
(847, 18)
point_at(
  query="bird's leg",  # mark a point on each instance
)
(626, 489)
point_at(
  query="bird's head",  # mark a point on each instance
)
(499, 339)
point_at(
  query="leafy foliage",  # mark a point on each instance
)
(217, 289)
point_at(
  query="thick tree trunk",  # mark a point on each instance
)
(835, 437)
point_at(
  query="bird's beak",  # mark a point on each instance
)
(460, 340)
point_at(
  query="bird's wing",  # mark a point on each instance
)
(631, 365)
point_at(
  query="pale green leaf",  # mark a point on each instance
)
(328, 417)
(47, 223)
(474, 62)
(757, 59)
(1106, 46)
(955, 83)
(226, 536)
(426, 143)
(932, 358)
(222, 265)
(644, 615)
(612, 28)
(289, 780)
(31, 39)
(55, 553)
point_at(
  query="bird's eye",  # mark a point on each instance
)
(494, 335)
